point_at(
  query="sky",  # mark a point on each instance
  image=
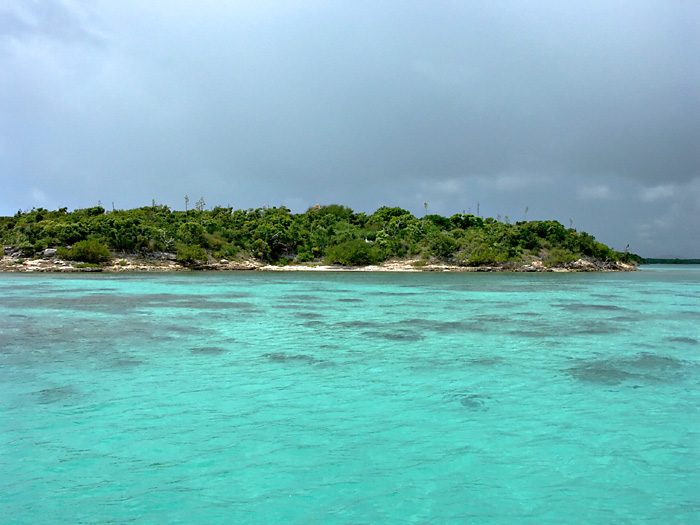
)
(585, 112)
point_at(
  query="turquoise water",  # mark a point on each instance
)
(350, 397)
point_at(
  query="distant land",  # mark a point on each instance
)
(328, 236)
(657, 260)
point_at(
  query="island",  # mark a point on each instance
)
(325, 237)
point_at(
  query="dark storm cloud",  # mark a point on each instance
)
(584, 110)
(464, 90)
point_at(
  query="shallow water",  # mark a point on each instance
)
(350, 397)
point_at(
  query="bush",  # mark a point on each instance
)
(600, 251)
(26, 249)
(260, 249)
(90, 251)
(559, 257)
(190, 253)
(442, 245)
(484, 254)
(479, 249)
(353, 253)
(305, 255)
(191, 233)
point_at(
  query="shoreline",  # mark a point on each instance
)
(130, 263)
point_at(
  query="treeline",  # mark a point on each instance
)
(334, 234)
(670, 261)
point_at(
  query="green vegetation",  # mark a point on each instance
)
(89, 251)
(355, 252)
(334, 234)
(191, 254)
(670, 261)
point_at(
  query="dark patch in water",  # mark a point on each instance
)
(451, 363)
(349, 300)
(624, 318)
(323, 290)
(34, 287)
(493, 319)
(644, 368)
(359, 324)
(485, 361)
(308, 315)
(183, 329)
(459, 326)
(289, 306)
(54, 395)
(283, 357)
(214, 305)
(688, 340)
(596, 307)
(208, 350)
(126, 363)
(654, 362)
(312, 324)
(398, 335)
(446, 326)
(300, 297)
(120, 304)
(528, 333)
(232, 305)
(601, 373)
(78, 291)
(596, 329)
(393, 294)
(644, 344)
(604, 297)
(473, 402)
(234, 295)
(470, 401)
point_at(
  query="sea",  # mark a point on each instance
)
(350, 397)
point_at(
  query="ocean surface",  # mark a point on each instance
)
(350, 397)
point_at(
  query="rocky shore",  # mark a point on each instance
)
(166, 262)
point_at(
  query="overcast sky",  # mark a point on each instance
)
(587, 112)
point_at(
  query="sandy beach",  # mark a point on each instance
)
(131, 263)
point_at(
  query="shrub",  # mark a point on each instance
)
(305, 255)
(478, 249)
(26, 249)
(484, 254)
(260, 249)
(190, 253)
(442, 245)
(600, 251)
(90, 251)
(353, 253)
(559, 256)
(191, 233)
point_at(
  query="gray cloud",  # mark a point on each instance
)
(587, 110)
(60, 21)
